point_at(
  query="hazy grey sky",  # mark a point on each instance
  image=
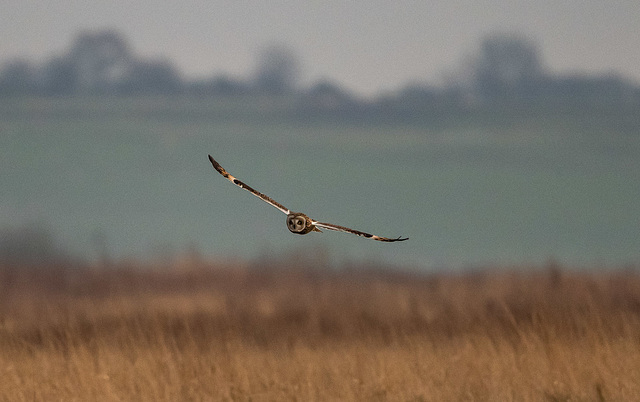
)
(367, 46)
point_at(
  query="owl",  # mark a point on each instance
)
(298, 222)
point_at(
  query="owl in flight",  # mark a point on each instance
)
(297, 222)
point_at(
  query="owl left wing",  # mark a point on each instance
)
(339, 228)
(240, 184)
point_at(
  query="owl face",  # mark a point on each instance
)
(299, 223)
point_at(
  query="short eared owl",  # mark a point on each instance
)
(297, 222)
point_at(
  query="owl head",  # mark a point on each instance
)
(299, 223)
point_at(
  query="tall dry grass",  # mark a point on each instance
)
(231, 332)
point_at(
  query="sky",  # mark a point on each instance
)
(367, 46)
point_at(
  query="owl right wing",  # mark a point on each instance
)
(240, 184)
(339, 228)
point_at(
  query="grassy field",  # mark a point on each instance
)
(228, 331)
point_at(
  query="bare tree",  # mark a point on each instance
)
(102, 61)
(507, 64)
(277, 70)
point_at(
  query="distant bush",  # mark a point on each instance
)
(29, 245)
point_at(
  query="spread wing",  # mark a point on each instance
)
(338, 228)
(240, 184)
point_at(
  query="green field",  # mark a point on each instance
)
(130, 178)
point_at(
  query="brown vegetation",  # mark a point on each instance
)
(231, 332)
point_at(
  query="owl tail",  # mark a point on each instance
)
(315, 229)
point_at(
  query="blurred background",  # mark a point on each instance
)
(489, 132)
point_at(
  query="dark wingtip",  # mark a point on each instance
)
(215, 164)
(391, 240)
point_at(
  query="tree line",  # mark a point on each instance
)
(102, 63)
(507, 69)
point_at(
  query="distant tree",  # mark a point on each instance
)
(152, 77)
(277, 70)
(218, 86)
(17, 78)
(102, 63)
(598, 90)
(32, 244)
(417, 94)
(101, 60)
(508, 65)
(326, 95)
(59, 77)
(328, 89)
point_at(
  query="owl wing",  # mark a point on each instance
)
(240, 184)
(338, 228)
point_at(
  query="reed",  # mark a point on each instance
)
(274, 331)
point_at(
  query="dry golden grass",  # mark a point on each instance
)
(225, 332)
